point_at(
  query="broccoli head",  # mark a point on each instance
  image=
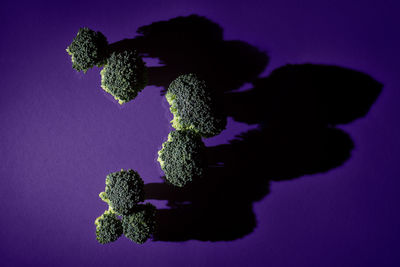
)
(108, 227)
(141, 224)
(89, 48)
(124, 75)
(124, 189)
(193, 107)
(182, 157)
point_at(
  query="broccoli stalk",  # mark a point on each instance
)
(193, 107)
(88, 49)
(182, 157)
(124, 76)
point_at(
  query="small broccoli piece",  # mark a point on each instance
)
(124, 75)
(193, 107)
(108, 227)
(182, 157)
(89, 48)
(141, 224)
(124, 189)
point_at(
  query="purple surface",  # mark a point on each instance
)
(61, 135)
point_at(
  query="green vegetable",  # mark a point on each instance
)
(108, 227)
(182, 157)
(124, 75)
(124, 189)
(89, 48)
(140, 225)
(193, 107)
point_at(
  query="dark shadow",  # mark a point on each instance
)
(296, 108)
(305, 95)
(194, 44)
(219, 207)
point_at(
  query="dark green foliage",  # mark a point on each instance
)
(124, 189)
(193, 107)
(140, 225)
(182, 157)
(89, 48)
(124, 75)
(108, 227)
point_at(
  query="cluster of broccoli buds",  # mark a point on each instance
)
(193, 106)
(195, 115)
(123, 193)
(88, 49)
(182, 159)
(124, 74)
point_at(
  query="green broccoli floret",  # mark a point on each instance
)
(140, 225)
(89, 48)
(182, 157)
(193, 107)
(108, 227)
(124, 75)
(124, 189)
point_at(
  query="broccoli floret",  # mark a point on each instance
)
(140, 225)
(124, 189)
(89, 48)
(108, 227)
(193, 107)
(124, 75)
(182, 157)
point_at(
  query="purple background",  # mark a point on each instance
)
(61, 135)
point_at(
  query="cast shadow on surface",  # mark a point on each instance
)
(194, 44)
(296, 108)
